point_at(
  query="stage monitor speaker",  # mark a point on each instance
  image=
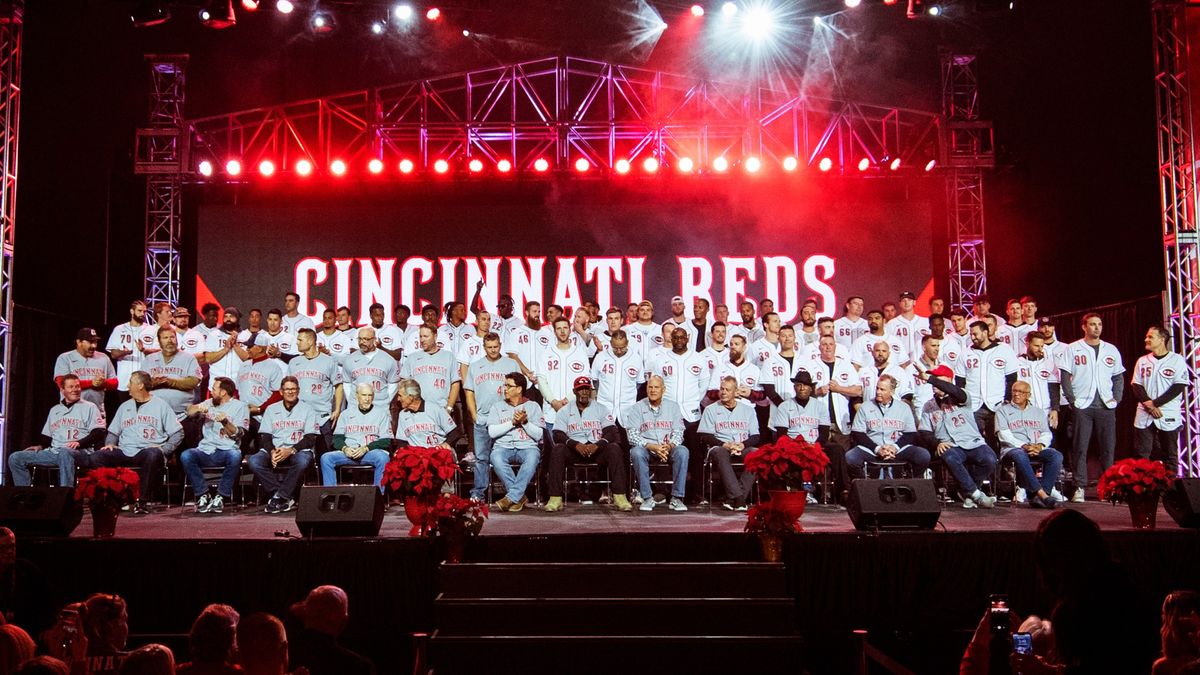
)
(340, 511)
(903, 504)
(40, 511)
(1182, 502)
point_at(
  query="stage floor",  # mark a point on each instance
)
(251, 523)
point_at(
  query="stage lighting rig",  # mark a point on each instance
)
(321, 23)
(148, 14)
(219, 14)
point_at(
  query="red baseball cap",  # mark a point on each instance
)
(942, 371)
(582, 383)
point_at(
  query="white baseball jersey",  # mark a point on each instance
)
(685, 324)
(847, 331)
(714, 357)
(686, 379)
(617, 379)
(1156, 375)
(1007, 336)
(450, 337)
(775, 370)
(148, 337)
(868, 377)
(746, 374)
(750, 334)
(952, 351)
(762, 350)
(125, 337)
(293, 324)
(805, 338)
(1060, 354)
(1092, 371)
(340, 343)
(470, 350)
(284, 341)
(195, 340)
(556, 370)
(229, 365)
(860, 352)
(644, 338)
(841, 373)
(909, 332)
(1039, 375)
(840, 352)
(985, 372)
(525, 343)
(389, 335)
(922, 391)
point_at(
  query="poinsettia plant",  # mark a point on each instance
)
(452, 514)
(112, 487)
(787, 464)
(1129, 478)
(767, 519)
(419, 471)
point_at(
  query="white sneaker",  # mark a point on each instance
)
(676, 504)
(982, 500)
(1078, 496)
(969, 503)
(647, 505)
(635, 497)
(810, 499)
(1019, 497)
(204, 503)
(1057, 496)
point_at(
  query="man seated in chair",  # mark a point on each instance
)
(655, 427)
(806, 417)
(730, 429)
(1024, 432)
(960, 445)
(362, 437)
(72, 426)
(287, 436)
(884, 430)
(585, 431)
(143, 432)
(418, 424)
(224, 420)
(515, 425)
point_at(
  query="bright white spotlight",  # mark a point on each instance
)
(266, 168)
(758, 24)
(697, 11)
(250, 5)
(790, 163)
(650, 165)
(377, 27)
(466, 33)
(541, 165)
(284, 6)
(895, 164)
(720, 165)
(864, 164)
(685, 165)
(825, 164)
(403, 12)
(304, 167)
(233, 167)
(622, 166)
(935, 10)
(729, 9)
(433, 14)
(931, 165)
(337, 167)
(320, 22)
(475, 165)
(582, 165)
(441, 166)
(406, 166)
(853, 3)
(504, 166)
(205, 168)
(817, 21)
(375, 166)
(752, 164)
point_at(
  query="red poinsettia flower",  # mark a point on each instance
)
(1132, 477)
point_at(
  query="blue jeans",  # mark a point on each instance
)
(62, 458)
(230, 460)
(1052, 461)
(641, 467)
(330, 461)
(970, 466)
(916, 457)
(515, 482)
(288, 485)
(483, 461)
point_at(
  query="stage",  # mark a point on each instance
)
(920, 594)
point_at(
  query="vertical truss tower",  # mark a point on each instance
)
(10, 108)
(161, 151)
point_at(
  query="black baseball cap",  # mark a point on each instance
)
(88, 334)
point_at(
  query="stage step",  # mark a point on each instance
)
(600, 616)
(614, 580)
(608, 654)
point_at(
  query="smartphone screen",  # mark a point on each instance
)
(1022, 643)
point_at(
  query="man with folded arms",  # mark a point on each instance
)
(585, 431)
(514, 426)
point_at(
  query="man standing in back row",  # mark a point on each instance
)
(1091, 379)
(1159, 380)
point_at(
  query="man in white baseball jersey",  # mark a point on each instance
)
(484, 386)
(524, 341)
(436, 369)
(287, 438)
(584, 432)
(981, 309)
(727, 430)
(644, 334)
(557, 368)
(182, 321)
(515, 424)
(749, 328)
(825, 327)
(320, 379)
(988, 372)
(456, 329)
(619, 374)
(581, 332)
(329, 337)
(862, 353)
(929, 359)
(1159, 380)
(546, 332)
(249, 336)
(699, 325)
(889, 310)
(420, 425)
(72, 428)
(655, 427)
(679, 317)
(1041, 374)
(960, 445)
(362, 435)
(937, 306)
(226, 357)
(124, 346)
(883, 363)
(884, 429)
(762, 349)
(195, 340)
(470, 348)
(389, 337)
(143, 430)
(163, 316)
(718, 349)
(739, 367)
(721, 313)
(836, 385)
(908, 327)
(1024, 434)
(174, 374)
(280, 343)
(372, 366)
(808, 334)
(293, 320)
(1091, 379)
(851, 325)
(94, 369)
(613, 321)
(224, 420)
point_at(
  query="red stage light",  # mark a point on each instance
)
(249, 5)
(541, 165)
(504, 166)
(890, 2)
(475, 165)
(864, 164)
(895, 164)
(375, 166)
(304, 167)
(233, 167)
(266, 167)
(825, 164)
(790, 163)
(441, 166)
(650, 165)
(582, 165)
(622, 166)
(930, 166)
(433, 14)
(720, 165)
(752, 164)
(337, 167)
(697, 10)
(406, 166)
(685, 165)
(205, 168)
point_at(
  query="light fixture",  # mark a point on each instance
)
(375, 165)
(752, 164)
(441, 166)
(622, 166)
(475, 165)
(205, 168)
(218, 14)
(304, 167)
(337, 167)
(720, 164)
(406, 166)
(790, 163)
(266, 168)
(685, 165)
(541, 165)
(284, 6)
(403, 12)
(233, 167)
(504, 166)
(149, 14)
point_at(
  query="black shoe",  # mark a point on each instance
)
(140, 508)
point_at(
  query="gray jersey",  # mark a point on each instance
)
(647, 424)
(425, 428)
(486, 379)
(319, 377)
(87, 369)
(71, 423)
(506, 435)
(1016, 427)
(953, 424)
(288, 427)
(375, 368)
(729, 425)
(803, 420)
(138, 427)
(256, 383)
(884, 424)
(434, 372)
(363, 428)
(584, 426)
(213, 435)
(181, 365)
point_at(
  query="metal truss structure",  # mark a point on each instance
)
(562, 109)
(161, 153)
(1177, 182)
(11, 17)
(968, 148)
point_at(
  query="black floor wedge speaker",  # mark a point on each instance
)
(903, 504)
(40, 511)
(1182, 502)
(340, 511)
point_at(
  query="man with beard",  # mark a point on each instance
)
(371, 365)
(745, 373)
(882, 364)
(557, 367)
(123, 345)
(988, 372)
(223, 419)
(174, 374)
(748, 329)
(224, 354)
(522, 342)
(862, 354)
(960, 445)
(808, 334)
(1041, 374)
(94, 369)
